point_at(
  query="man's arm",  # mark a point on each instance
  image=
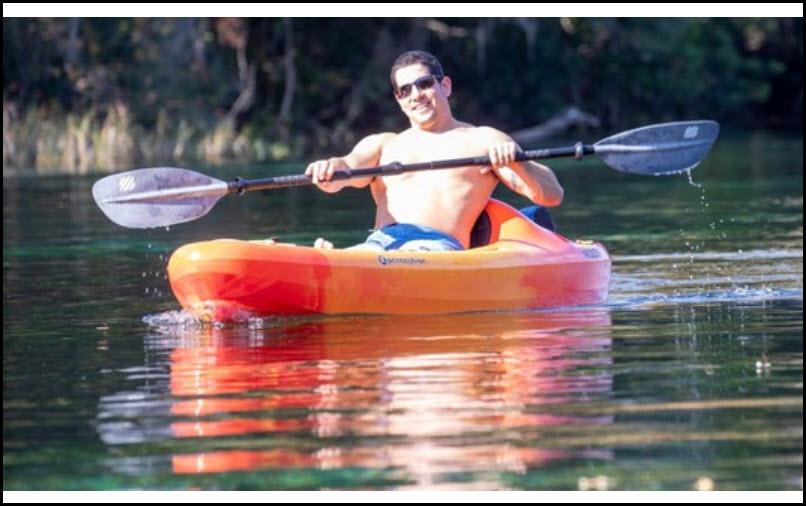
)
(533, 180)
(366, 153)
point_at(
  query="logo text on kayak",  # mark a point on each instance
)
(396, 260)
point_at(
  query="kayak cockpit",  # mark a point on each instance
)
(499, 221)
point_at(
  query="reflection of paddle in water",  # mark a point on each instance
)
(424, 396)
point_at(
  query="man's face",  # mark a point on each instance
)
(422, 96)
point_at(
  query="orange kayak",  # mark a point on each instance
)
(521, 266)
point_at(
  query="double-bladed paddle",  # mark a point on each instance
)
(162, 196)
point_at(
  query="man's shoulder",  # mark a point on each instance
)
(489, 132)
(376, 140)
(383, 136)
(478, 130)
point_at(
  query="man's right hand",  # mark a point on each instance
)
(321, 173)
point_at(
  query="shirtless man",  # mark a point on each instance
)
(433, 210)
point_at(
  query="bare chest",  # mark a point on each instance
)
(427, 148)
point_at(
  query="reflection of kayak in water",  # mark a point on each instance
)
(216, 361)
(518, 265)
(410, 382)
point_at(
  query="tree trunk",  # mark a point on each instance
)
(572, 116)
(290, 72)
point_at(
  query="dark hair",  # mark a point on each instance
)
(413, 58)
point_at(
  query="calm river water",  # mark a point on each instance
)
(689, 377)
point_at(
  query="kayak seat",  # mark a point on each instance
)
(480, 234)
(482, 230)
(539, 215)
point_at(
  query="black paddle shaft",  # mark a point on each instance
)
(390, 169)
(162, 196)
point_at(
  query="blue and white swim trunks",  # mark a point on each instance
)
(408, 237)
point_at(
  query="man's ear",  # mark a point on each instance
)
(447, 85)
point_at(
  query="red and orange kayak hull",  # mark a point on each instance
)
(524, 266)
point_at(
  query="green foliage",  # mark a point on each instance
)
(245, 89)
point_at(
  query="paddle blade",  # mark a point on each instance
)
(666, 148)
(157, 197)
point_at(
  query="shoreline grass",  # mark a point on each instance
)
(44, 140)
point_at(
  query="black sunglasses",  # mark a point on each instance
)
(422, 83)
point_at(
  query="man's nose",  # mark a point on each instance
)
(416, 91)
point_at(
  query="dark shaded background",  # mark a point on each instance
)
(86, 94)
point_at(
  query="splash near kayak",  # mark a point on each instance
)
(520, 265)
